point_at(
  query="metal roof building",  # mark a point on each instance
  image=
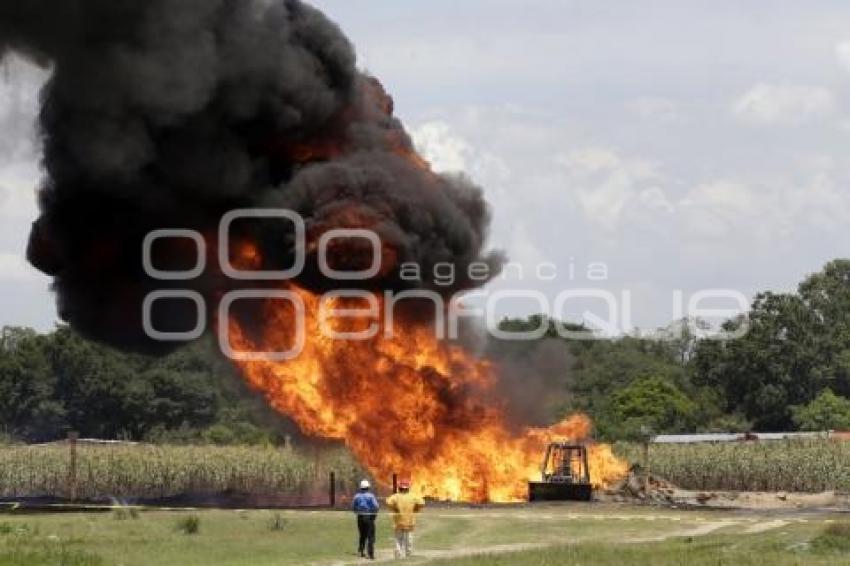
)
(738, 437)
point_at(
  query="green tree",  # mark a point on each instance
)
(603, 367)
(650, 403)
(796, 345)
(56, 382)
(600, 369)
(28, 407)
(827, 411)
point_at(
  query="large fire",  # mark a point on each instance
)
(406, 403)
(403, 401)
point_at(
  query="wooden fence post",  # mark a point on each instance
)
(72, 465)
(646, 434)
(332, 490)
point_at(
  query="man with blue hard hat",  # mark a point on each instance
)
(365, 505)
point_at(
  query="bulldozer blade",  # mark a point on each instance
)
(546, 491)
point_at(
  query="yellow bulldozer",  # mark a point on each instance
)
(564, 475)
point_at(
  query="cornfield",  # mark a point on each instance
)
(159, 471)
(782, 465)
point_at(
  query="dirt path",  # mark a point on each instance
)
(765, 526)
(749, 526)
(421, 556)
(698, 531)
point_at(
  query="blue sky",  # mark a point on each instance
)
(687, 145)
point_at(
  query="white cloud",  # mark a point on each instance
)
(15, 268)
(445, 151)
(655, 199)
(784, 104)
(449, 152)
(18, 182)
(522, 248)
(591, 159)
(842, 52)
(655, 108)
(728, 212)
(731, 196)
(715, 210)
(20, 82)
(605, 183)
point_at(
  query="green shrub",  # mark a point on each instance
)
(650, 402)
(189, 525)
(827, 411)
(277, 523)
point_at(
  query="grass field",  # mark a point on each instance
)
(557, 534)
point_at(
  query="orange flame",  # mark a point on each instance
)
(405, 403)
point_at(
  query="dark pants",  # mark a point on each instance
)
(366, 528)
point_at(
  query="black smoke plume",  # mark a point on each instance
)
(169, 113)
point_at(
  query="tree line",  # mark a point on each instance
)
(790, 371)
(57, 382)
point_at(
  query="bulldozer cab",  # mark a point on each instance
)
(565, 463)
(565, 475)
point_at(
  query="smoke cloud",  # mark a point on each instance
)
(169, 113)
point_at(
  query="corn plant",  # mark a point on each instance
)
(784, 465)
(156, 471)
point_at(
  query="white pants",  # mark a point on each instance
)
(403, 543)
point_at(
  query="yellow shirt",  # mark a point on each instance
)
(404, 505)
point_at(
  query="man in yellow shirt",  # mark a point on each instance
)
(404, 506)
